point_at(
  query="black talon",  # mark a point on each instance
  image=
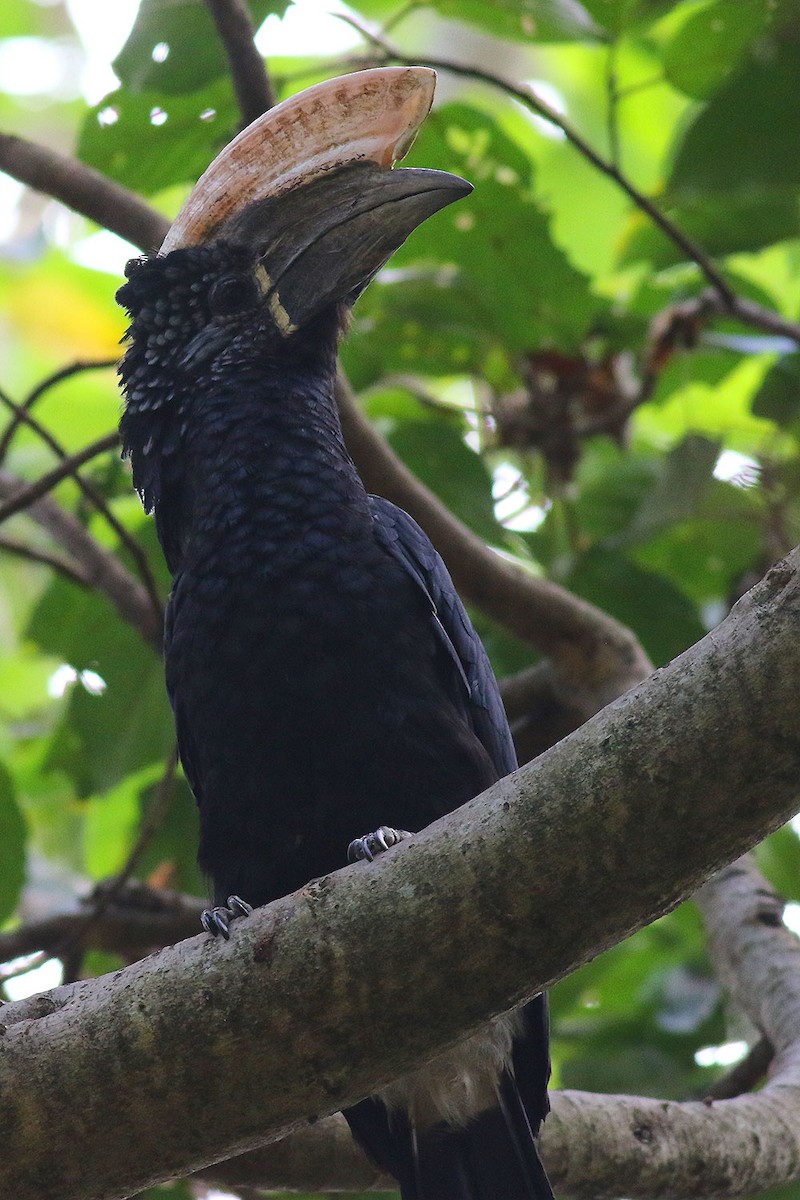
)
(239, 907)
(365, 849)
(216, 920)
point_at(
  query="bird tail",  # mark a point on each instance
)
(492, 1157)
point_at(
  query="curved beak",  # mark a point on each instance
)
(325, 241)
(310, 186)
(370, 116)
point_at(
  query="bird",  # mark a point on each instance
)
(329, 690)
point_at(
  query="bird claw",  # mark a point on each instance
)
(365, 849)
(216, 921)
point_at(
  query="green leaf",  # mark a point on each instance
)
(743, 145)
(707, 556)
(174, 48)
(111, 822)
(683, 476)
(619, 17)
(712, 42)
(13, 837)
(612, 484)
(148, 142)
(180, 1190)
(720, 225)
(484, 273)
(101, 739)
(523, 20)
(432, 444)
(516, 20)
(498, 238)
(779, 858)
(176, 841)
(778, 398)
(663, 618)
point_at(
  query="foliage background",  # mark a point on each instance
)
(545, 303)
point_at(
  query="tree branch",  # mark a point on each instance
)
(248, 70)
(103, 571)
(526, 96)
(66, 469)
(18, 415)
(297, 1014)
(57, 562)
(597, 657)
(83, 189)
(136, 919)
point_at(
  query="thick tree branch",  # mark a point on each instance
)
(248, 69)
(297, 1014)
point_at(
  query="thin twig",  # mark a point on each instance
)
(70, 464)
(66, 469)
(66, 567)
(43, 387)
(103, 896)
(83, 189)
(746, 1075)
(249, 73)
(528, 97)
(612, 113)
(104, 572)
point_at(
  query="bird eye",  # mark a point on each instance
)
(232, 295)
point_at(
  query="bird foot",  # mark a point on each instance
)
(365, 849)
(216, 921)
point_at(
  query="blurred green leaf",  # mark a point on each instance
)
(619, 17)
(779, 858)
(683, 476)
(525, 20)
(778, 398)
(498, 240)
(13, 836)
(148, 141)
(101, 739)
(179, 1190)
(727, 224)
(174, 846)
(711, 43)
(741, 146)
(160, 58)
(663, 618)
(612, 485)
(432, 444)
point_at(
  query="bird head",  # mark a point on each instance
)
(283, 232)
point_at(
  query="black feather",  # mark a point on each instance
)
(324, 674)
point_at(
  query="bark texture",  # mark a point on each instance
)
(204, 1049)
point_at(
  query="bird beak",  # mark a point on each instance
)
(309, 185)
(325, 241)
(370, 116)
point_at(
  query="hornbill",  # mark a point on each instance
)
(325, 678)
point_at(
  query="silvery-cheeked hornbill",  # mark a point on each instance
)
(325, 678)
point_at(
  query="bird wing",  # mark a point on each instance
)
(182, 726)
(402, 537)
